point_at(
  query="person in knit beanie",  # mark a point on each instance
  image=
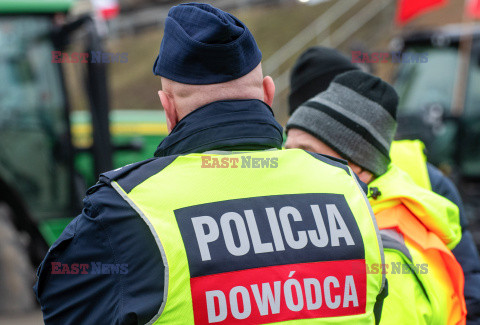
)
(311, 75)
(355, 119)
(313, 72)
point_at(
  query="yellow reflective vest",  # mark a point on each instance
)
(409, 156)
(259, 237)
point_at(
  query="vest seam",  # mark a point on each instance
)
(122, 193)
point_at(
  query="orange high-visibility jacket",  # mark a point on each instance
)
(428, 226)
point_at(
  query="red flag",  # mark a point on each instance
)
(408, 9)
(473, 8)
(108, 9)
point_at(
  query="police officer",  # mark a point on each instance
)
(220, 226)
(355, 119)
(312, 74)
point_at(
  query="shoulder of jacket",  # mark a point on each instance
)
(107, 177)
(131, 175)
(116, 174)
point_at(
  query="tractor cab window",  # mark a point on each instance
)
(31, 85)
(432, 82)
(32, 115)
(426, 93)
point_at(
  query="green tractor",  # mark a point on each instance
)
(50, 155)
(449, 128)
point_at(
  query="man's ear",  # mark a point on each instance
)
(169, 107)
(268, 90)
(365, 176)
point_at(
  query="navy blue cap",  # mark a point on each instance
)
(205, 45)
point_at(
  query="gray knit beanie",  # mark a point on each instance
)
(355, 116)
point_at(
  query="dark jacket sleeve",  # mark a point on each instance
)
(466, 251)
(114, 269)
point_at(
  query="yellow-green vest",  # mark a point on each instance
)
(409, 156)
(244, 235)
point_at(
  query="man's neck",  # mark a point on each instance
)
(223, 125)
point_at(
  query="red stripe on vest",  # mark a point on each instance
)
(280, 293)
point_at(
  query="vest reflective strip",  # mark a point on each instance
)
(409, 156)
(159, 244)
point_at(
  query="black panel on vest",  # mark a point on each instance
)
(205, 237)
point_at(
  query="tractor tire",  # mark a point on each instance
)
(17, 274)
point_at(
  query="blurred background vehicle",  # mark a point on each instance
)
(49, 154)
(62, 124)
(428, 109)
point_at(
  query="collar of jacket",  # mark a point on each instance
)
(224, 125)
